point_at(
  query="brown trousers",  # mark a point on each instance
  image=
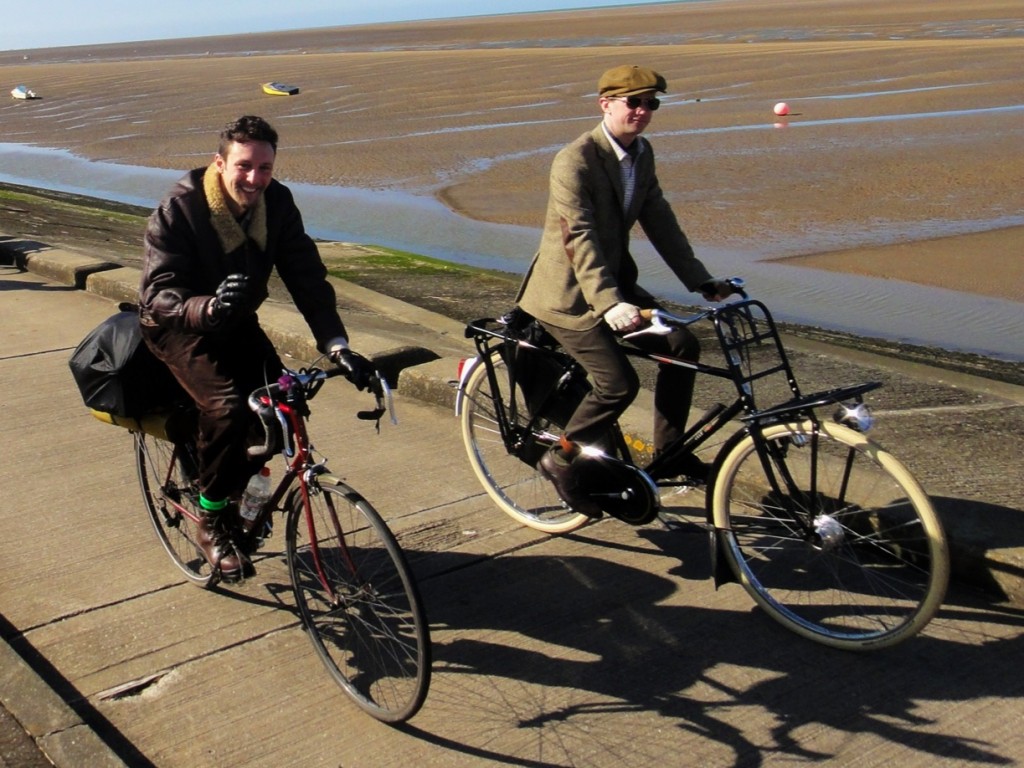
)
(219, 372)
(615, 383)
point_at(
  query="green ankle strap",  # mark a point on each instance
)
(212, 506)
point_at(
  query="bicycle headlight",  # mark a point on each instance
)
(856, 416)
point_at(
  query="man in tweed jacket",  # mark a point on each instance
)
(582, 283)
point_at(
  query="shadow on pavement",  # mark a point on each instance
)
(592, 638)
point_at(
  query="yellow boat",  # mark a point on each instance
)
(280, 89)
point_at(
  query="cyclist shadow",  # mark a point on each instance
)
(553, 645)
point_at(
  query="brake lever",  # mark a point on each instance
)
(385, 403)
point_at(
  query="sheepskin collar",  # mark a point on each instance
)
(229, 231)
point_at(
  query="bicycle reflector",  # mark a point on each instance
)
(856, 416)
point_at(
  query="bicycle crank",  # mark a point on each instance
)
(621, 490)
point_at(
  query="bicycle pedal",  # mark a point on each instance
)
(247, 571)
(234, 577)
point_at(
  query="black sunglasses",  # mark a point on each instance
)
(634, 102)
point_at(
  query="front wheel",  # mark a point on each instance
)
(167, 476)
(843, 547)
(507, 472)
(358, 601)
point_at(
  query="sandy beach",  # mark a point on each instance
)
(902, 156)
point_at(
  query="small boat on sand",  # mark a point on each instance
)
(280, 89)
(21, 92)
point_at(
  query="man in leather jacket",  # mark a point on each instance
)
(582, 283)
(210, 247)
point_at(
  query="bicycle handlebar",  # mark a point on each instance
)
(264, 403)
(662, 321)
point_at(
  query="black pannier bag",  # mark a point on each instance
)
(541, 372)
(549, 391)
(116, 372)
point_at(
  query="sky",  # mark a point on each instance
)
(53, 23)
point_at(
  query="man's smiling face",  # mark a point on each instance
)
(245, 172)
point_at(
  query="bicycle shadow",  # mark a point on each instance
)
(550, 659)
(982, 539)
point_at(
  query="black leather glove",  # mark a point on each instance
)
(358, 369)
(232, 297)
(715, 290)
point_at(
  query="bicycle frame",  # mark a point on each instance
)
(740, 327)
(290, 412)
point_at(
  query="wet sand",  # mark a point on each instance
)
(986, 263)
(903, 144)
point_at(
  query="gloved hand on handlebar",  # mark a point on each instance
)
(715, 290)
(358, 369)
(623, 317)
(232, 298)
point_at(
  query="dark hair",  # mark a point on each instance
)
(247, 128)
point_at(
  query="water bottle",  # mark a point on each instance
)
(255, 497)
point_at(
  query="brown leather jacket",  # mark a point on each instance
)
(193, 242)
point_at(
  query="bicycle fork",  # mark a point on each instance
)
(806, 510)
(336, 600)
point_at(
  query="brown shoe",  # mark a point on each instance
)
(562, 475)
(215, 544)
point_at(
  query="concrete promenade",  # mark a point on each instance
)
(608, 647)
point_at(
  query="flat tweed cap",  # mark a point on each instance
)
(628, 80)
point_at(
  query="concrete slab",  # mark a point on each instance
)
(602, 648)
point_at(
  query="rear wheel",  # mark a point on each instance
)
(849, 551)
(358, 601)
(167, 476)
(510, 477)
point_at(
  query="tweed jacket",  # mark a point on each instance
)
(193, 242)
(583, 266)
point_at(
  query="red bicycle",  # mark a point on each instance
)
(355, 592)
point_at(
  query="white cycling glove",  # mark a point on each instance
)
(337, 344)
(623, 317)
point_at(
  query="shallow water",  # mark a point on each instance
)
(880, 308)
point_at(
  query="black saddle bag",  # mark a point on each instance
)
(552, 385)
(116, 373)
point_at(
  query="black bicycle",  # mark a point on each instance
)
(829, 533)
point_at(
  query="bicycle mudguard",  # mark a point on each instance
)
(721, 572)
